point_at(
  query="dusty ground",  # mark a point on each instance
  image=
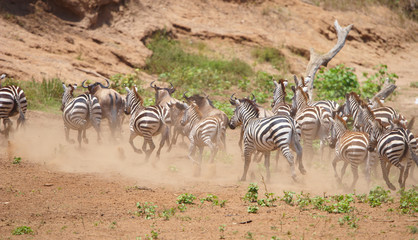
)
(61, 191)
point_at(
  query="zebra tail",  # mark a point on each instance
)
(413, 154)
(21, 114)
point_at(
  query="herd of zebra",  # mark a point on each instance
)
(379, 133)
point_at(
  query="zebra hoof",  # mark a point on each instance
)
(391, 187)
(303, 171)
(295, 179)
(71, 141)
(138, 151)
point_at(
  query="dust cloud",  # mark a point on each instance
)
(42, 141)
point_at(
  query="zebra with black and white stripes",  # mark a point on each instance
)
(313, 121)
(202, 131)
(80, 113)
(279, 105)
(266, 135)
(146, 122)
(350, 147)
(384, 114)
(12, 102)
(395, 147)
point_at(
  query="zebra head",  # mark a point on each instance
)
(245, 109)
(133, 100)
(68, 94)
(299, 99)
(337, 127)
(191, 113)
(279, 94)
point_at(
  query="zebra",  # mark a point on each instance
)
(12, 102)
(146, 122)
(80, 113)
(384, 114)
(350, 147)
(163, 98)
(204, 131)
(207, 108)
(265, 135)
(313, 120)
(395, 147)
(279, 105)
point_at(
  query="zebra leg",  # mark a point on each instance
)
(79, 137)
(367, 169)
(131, 141)
(288, 155)
(334, 165)
(164, 138)
(240, 141)
(343, 170)
(277, 160)
(401, 173)
(85, 137)
(7, 126)
(405, 175)
(354, 169)
(267, 164)
(297, 147)
(247, 160)
(213, 151)
(151, 146)
(385, 174)
(67, 135)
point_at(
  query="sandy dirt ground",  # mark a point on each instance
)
(61, 191)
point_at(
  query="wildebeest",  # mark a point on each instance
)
(163, 98)
(111, 102)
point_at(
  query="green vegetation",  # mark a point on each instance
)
(252, 209)
(186, 198)
(413, 229)
(45, 95)
(351, 220)
(414, 85)
(22, 230)
(147, 210)
(16, 160)
(271, 55)
(167, 213)
(409, 201)
(222, 231)
(378, 195)
(214, 200)
(192, 71)
(336, 82)
(252, 193)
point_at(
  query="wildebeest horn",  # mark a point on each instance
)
(253, 97)
(185, 97)
(2, 76)
(232, 100)
(172, 87)
(82, 84)
(155, 86)
(108, 84)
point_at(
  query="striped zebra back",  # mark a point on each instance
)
(76, 112)
(328, 105)
(387, 114)
(394, 144)
(12, 102)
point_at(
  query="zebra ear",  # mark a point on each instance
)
(63, 86)
(127, 90)
(294, 89)
(75, 86)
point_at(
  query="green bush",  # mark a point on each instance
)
(186, 198)
(336, 82)
(374, 82)
(271, 55)
(147, 209)
(119, 81)
(45, 95)
(378, 195)
(409, 201)
(252, 193)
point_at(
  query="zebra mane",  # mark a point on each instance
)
(356, 96)
(281, 81)
(341, 120)
(378, 101)
(136, 95)
(195, 107)
(304, 94)
(365, 106)
(251, 103)
(200, 101)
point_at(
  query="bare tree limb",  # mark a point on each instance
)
(387, 89)
(317, 60)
